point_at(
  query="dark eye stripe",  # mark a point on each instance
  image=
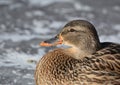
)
(72, 30)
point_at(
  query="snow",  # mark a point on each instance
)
(57, 24)
(34, 13)
(116, 8)
(20, 60)
(110, 38)
(117, 27)
(39, 27)
(5, 2)
(79, 6)
(18, 37)
(46, 2)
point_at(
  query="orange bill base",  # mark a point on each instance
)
(45, 44)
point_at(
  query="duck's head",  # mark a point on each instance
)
(78, 34)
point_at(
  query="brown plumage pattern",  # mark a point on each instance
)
(100, 66)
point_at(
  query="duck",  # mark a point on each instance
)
(85, 60)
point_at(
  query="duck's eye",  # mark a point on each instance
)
(72, 30)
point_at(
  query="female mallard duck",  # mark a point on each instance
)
(85, 62)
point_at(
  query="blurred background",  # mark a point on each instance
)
(25, 23)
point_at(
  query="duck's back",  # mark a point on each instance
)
(103, 67)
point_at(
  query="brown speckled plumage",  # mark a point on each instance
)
(101, 65)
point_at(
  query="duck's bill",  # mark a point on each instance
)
(52, 42)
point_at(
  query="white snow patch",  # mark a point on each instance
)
(79, 6)
(56, 24)
(15, 80)
(18, 37)
(117, 27)
(13, 6)
(116, 8)
(39, 27)
(104, 11)
(110, 38)
(90, 15)
(20, 59)
(46, 2)
(6, 2)
(39, 13)
(17, 73)
(34, 13)
(28, 76)
(69, 18)
(64, 10)
(2, 26)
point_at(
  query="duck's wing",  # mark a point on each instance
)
(102, 68)
(104, 64)
(108, 58)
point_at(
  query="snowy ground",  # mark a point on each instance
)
(24, 23)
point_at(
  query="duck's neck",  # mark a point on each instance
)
(84, 49)
(76, 52)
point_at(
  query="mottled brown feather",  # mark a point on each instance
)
(101, 67)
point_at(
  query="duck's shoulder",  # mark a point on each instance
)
(108, 48)
(110, 45)
(107, 58)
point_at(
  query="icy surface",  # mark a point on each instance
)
(25, 23)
